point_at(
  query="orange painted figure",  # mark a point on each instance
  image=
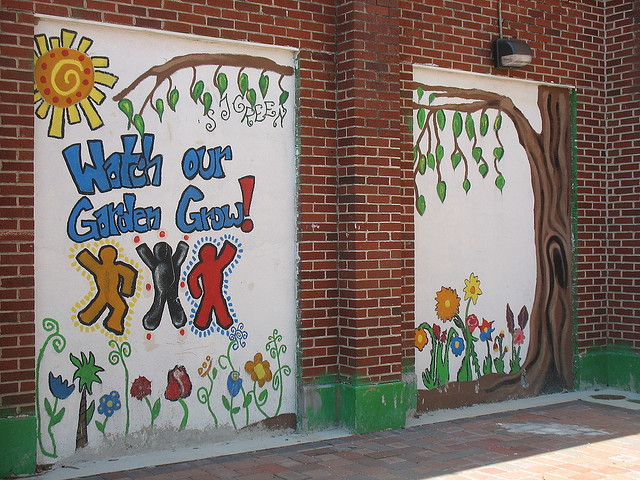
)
(205, 280)
(114, 281)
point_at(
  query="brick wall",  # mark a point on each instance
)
(622, 77)
(355, 167)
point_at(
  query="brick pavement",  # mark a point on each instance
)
(571, 440)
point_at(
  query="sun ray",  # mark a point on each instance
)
(42, 110)
(85, 44)
(92, 115)
(42, 44)
(105, 78)
(100, 62)
(36, 96)
(97, 96)
(68, 36)
(56, 126)
(55, 43)
(73, 114)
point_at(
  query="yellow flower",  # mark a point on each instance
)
(447, 303)
(420, 338)
(259, 369)
(472, 288)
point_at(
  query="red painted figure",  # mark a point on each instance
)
(205, 280)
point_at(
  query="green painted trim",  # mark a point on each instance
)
(616, 366)
(368, 408)
(574, 228)
(320, 404)
(17, 445)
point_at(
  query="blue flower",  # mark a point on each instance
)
(457, 345)
(234, 383)
(109, 404)
(60, 389)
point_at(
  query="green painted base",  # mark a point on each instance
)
(361, 408)
(18, 445)
(615, 366)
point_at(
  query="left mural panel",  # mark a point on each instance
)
(165, 236)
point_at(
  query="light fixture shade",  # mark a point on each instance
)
(512, 53)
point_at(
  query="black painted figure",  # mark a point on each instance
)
(165, 269)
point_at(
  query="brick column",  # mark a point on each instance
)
(370, 215)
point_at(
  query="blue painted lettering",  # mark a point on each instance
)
(215, 218)
(193, 162)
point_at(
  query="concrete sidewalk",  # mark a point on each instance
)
(564, 436)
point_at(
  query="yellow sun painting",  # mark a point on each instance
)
(66, 79)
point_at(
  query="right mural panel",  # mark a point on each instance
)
(493, 190)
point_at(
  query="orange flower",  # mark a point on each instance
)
(421, 338)
(259, 369)
(447, 303)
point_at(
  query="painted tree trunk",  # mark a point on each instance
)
(81, 433)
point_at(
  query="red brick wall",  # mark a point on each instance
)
(355, 167)
(622, 77)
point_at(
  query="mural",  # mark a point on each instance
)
(492, 169)
(165, 236)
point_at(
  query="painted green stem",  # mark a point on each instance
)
(185, 417)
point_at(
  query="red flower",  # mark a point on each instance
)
(518, 336)
(178, 384)
(436, 330)
(140, 388)
(472, 322)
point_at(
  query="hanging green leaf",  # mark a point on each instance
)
(500, 182)
(483, 169)
(198, 88)
(263, 83)
(90, 411)
(283, 97)
(127, 108)
(422, 164)
(243, 83)
(498, 122)
(484, 124)
(138, 122)
(421, 204)
(251, 96)
(225, 403)
(207, 100)
(469, 125)
(422, 116)
(456, 124)
(420, 93)
(455, 159)
(477, 154)
(441, 189)
(159, 108)
(441, 119)
(431, 161)
(174, 96)
(415, 153)
(498, 152)
(432, 97)
(439, 153)
(466, 185)
(223, 83)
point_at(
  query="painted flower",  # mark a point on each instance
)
(420, 338)
(140, 388)
(178, 384)
(258, 369)
(436, 330)
(472, 288)
(234, 383)
(518, 336)
(457, 345)
(472, 322)
(60, 388)
(486, 330)
(447, 303)
(109, 404)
